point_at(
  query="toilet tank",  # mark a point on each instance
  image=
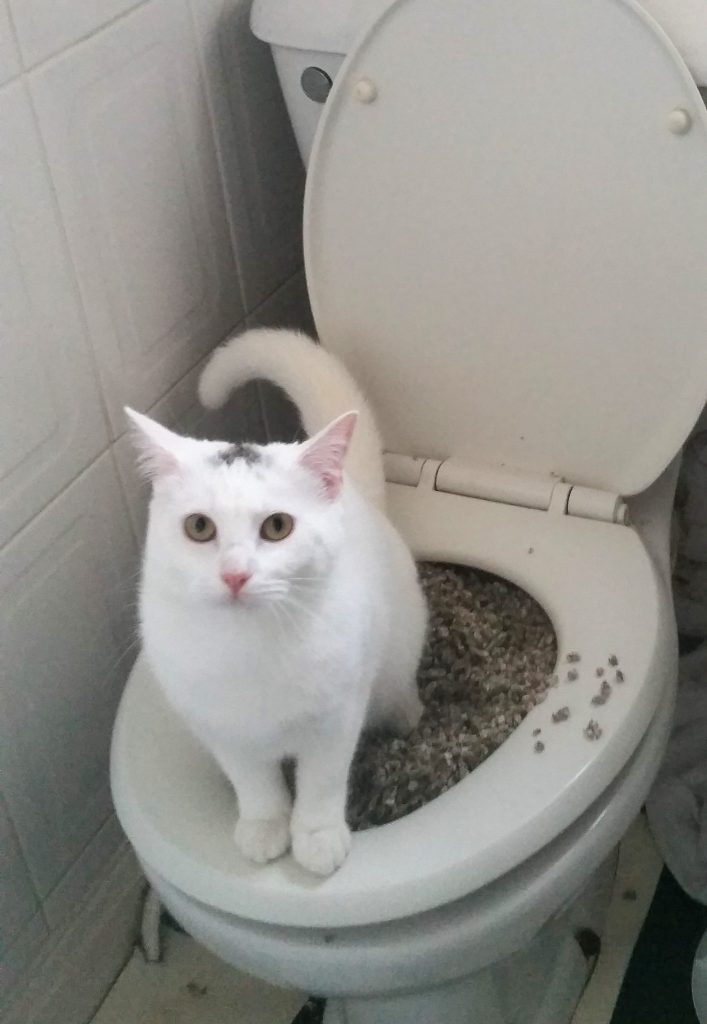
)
(309, 40)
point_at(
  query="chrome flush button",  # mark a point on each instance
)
(316, 84)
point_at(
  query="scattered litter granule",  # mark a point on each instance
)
(600, 672)
(572, 675)
(592, 730)
(489, 652)
(561, 715)
(573, 656)
(539, 747)
(604, 693)
(619, 676)
(536, 732)
(613, 660)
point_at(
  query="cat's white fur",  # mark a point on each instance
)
(326, 634)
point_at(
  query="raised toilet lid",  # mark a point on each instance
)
(505, 229)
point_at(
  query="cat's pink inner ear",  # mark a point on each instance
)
(157, 448)
(324, 453)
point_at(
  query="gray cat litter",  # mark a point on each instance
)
(489, 652)
(592, 730)
(561, 715)
(603, 695)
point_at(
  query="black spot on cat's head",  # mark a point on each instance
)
(250, 454)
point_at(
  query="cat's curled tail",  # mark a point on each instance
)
(319, 385)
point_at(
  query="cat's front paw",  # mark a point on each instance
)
(262, 839)
(321, 850)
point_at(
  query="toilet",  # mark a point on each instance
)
(505, 224)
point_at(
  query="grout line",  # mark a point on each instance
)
(32, 68)
(71, 268)
(16, 40)
(73, 863)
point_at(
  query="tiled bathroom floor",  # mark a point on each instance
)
(191, 986)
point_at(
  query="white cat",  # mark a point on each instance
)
(280, 610)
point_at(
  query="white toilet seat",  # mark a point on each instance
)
(467, 935)
(604, 595)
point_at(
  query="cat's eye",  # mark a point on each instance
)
(199, 527)
(277, 526)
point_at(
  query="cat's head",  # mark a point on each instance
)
(242, 524)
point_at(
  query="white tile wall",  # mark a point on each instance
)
(69, 978)
(256, 147)
(47, 26)
(9, 54)
(80, 878)
(51, 420)
(67, 623)
(18, 902)
(16, 959)
(132, 157)
(150, 203)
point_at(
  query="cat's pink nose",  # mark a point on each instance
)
(235, 581)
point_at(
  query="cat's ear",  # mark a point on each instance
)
(157, 448)
(324, 453)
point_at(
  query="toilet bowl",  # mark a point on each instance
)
(504, 239)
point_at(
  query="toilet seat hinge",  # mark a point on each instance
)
(497, 483)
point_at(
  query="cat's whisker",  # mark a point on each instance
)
(298, 607)
(129, 577)
(123, 655)
(304, 590)
(272, 607)
(288, 614)
(267, 589)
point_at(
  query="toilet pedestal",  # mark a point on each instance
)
(540, 984)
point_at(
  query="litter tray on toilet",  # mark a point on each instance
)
(180, 810)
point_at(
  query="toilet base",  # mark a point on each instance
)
(540, 984)
(482, 997)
